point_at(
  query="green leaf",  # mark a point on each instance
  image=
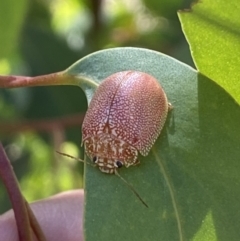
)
(12, 14)
(212, 29)
(190, 180)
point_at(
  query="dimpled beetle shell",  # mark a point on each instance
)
(125, 116)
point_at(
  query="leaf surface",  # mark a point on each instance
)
(212, 29)
(190, 180)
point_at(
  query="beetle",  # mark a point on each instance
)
(124, 118)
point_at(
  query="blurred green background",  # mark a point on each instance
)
(40, 37)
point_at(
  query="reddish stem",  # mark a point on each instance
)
(18, 203)
(60, 78)
(34, 224)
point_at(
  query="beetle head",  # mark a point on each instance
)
(109, 153)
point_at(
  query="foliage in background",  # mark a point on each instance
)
(12, 14)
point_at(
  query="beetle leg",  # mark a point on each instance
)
(137, 162)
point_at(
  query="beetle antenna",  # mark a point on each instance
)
(116, 173)
(75, 158)
(131, 187)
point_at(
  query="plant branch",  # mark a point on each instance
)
(18, 203)
(59, 78)
(34, 224)
(41, 125)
